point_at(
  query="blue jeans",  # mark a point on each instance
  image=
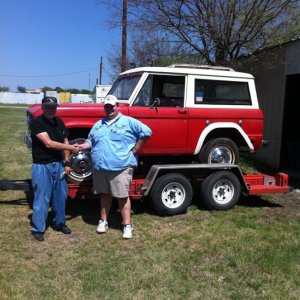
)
(48, 187)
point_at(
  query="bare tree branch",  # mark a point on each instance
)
(211, 31)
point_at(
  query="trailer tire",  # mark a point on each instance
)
(220, 190)
(171, 194)
(219, 150)
(81, 164)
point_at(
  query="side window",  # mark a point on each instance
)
(164, 90)
(221, 92)
(123, 87)
(144, 96)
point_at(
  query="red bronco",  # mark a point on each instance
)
(197, 114)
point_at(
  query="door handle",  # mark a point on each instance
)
(182, 111)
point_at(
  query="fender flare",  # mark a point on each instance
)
(218, 125)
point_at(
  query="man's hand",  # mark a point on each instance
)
(76, 148)
(83, 146)
(68, 170)
(134, 151)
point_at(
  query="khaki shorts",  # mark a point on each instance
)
(116, 183)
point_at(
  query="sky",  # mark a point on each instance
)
(55, 43)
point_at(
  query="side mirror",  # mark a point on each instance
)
(155, 103)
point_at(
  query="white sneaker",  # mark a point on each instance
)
(102, 226)
(127, 231)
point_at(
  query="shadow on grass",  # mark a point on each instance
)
(21, 201)
(89, 211)
(244, 200)
(26, 199)
(256, 201)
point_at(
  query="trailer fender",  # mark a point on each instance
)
(157, 170)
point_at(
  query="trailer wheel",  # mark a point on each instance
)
(81, 164)
(219, 150)
(171, 194)
(220, 190)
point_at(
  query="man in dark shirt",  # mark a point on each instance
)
(50, 154)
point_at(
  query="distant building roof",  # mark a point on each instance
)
(33, 91)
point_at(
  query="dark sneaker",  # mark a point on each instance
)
(64, 229)
(38, 236)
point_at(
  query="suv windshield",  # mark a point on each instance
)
(124, 86)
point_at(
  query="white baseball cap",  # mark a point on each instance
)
(111, 99)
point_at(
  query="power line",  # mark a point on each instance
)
(52, 75)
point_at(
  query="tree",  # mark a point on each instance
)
(4, 89)
(46, 88)
(21, 89)
(76, 91)
(215, 31)
(148, 47)
(222, 30)
(151, 50)
(59, 89)
(85, 91)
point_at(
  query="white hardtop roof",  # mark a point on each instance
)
(185, 69)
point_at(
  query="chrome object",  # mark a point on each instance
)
(223, 191)
(81, 164)
(173, 195)
(221, 154)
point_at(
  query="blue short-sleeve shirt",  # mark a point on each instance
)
(112, 142)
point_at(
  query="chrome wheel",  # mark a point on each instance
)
(221, 154)
(223, 191)
(219, 151)
(173, 195)
(220, 190)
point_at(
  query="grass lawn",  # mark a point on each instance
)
(249, 252)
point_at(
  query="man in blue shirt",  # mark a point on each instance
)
(115, 142)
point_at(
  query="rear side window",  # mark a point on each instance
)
(221, 92)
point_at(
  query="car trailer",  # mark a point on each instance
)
(170, 187)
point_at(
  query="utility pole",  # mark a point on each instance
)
(100, 74)
(124, 36)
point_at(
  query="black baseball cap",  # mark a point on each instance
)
(50, 101)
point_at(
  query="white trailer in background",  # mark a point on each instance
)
(101, 91)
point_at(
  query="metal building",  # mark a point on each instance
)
(277, 78)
